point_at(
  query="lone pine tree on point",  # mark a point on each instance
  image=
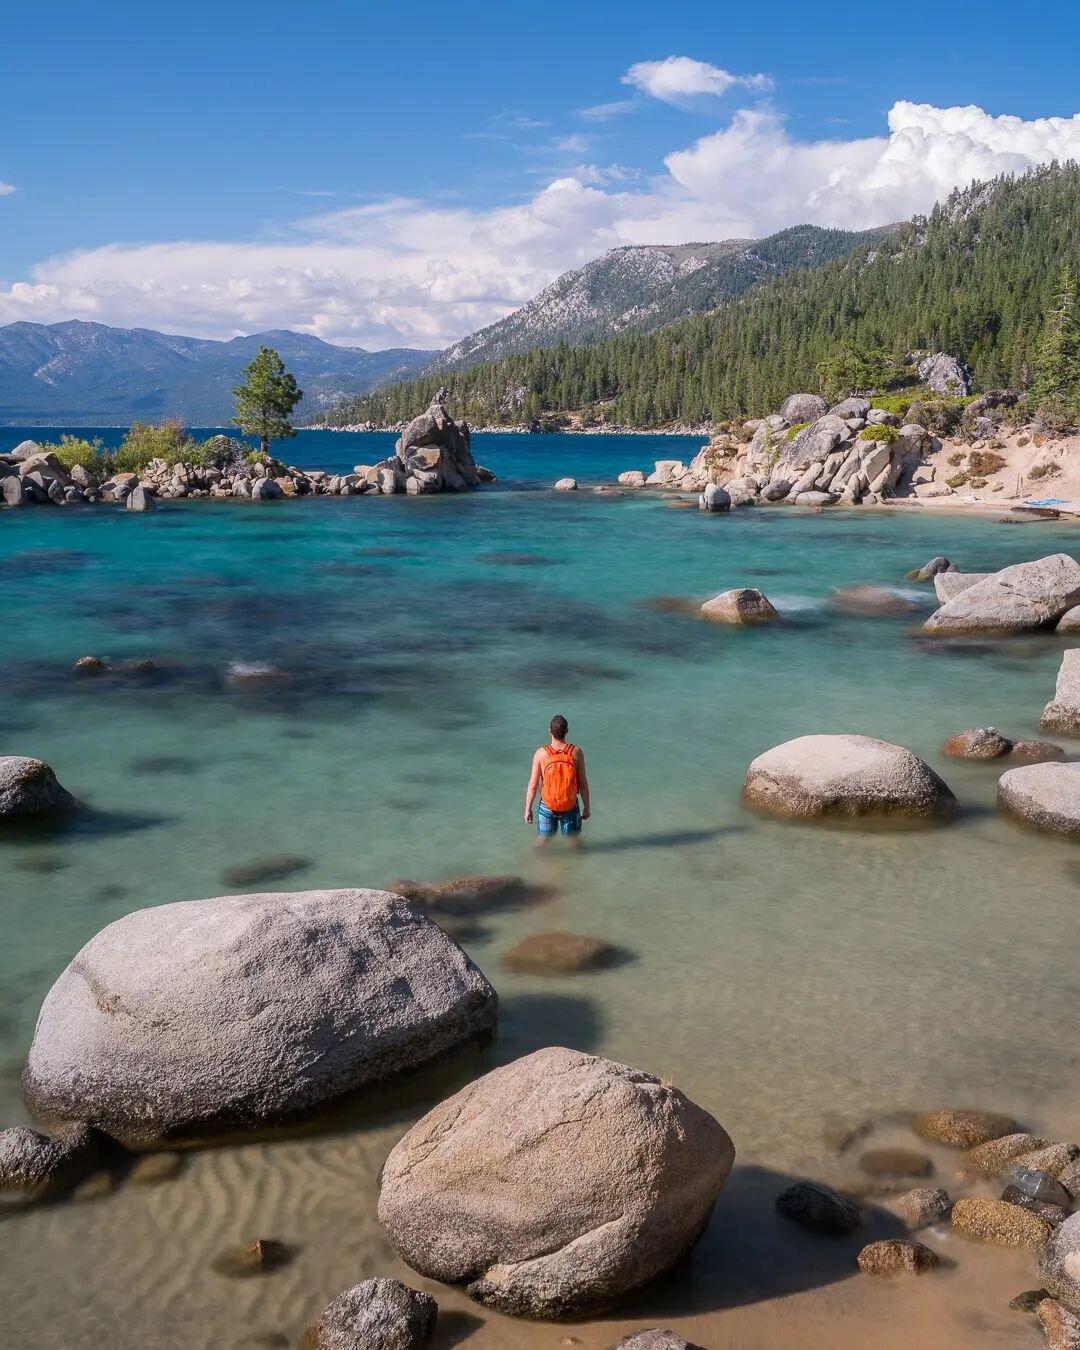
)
(264, 402)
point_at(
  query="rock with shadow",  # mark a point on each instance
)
(466, 897)
(555, 1185)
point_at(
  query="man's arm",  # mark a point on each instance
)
(583, 785)
(530, 791)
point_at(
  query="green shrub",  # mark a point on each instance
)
(958, 479)
(879, 431)
(91, 455)
(1043, 470)
(982, 463)
(168, 440)
(940, 416)
(793, 431)
(897, 404)
(254, 457)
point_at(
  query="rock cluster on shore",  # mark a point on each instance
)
(432, 455)
(807, 453)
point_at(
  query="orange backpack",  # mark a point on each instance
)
(559, 790)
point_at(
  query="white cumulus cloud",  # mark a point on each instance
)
(405, 271)
(678, 79)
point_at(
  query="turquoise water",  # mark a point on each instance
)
(778, 973)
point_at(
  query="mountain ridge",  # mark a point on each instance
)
(80, 372)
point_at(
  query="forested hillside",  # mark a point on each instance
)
(639, 288)
(975, 278)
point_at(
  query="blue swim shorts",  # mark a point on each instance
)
(556, 822)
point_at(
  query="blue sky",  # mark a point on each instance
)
(402, 173)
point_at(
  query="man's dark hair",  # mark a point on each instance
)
(559, 727)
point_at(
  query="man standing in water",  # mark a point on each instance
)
(558, 770)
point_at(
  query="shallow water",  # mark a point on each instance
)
(779, 973)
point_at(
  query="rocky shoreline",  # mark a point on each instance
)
(433, 454)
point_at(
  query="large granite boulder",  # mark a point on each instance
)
(944, 375)
(1046, 796)
(1062, 713)
(1017, 599)
(377, 1314)
(29, 789)
(435, 452)
(714, 498)
(851, 408)
(845, 776)
(554, 1185)
(240, 1012)
(813, 445)
(798, 408)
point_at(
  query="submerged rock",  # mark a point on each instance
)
(1020, 598)
(845, 776)
(274, 868)
(261, 1257)
(963, 1127)
(743, 605)
(554, 1185)
(378, 1314)
(872, 600)
(819, 1208)
(468, 896)
(1035, 752)
(243, 1011)
(897, 1256)
(1045, 796)
(895, 1162)
(1062, 713)
(558, 954)
(29, 789)
(998, 1222)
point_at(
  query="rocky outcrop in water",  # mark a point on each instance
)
(743, 605)
(240, 1012)
(433, 454)
(845, 776)
(1045, 796)
(29, 790)
(34, 1166)
(555, 1185)
(1021, 598)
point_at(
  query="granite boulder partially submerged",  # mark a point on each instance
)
(212, 1016)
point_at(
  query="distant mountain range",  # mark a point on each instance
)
(87, 373)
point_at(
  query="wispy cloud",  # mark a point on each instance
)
(681, 79)
(6, 189)
(605, 112)
(574, 144)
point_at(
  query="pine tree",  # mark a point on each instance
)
(1057, 359)
(264, 402)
